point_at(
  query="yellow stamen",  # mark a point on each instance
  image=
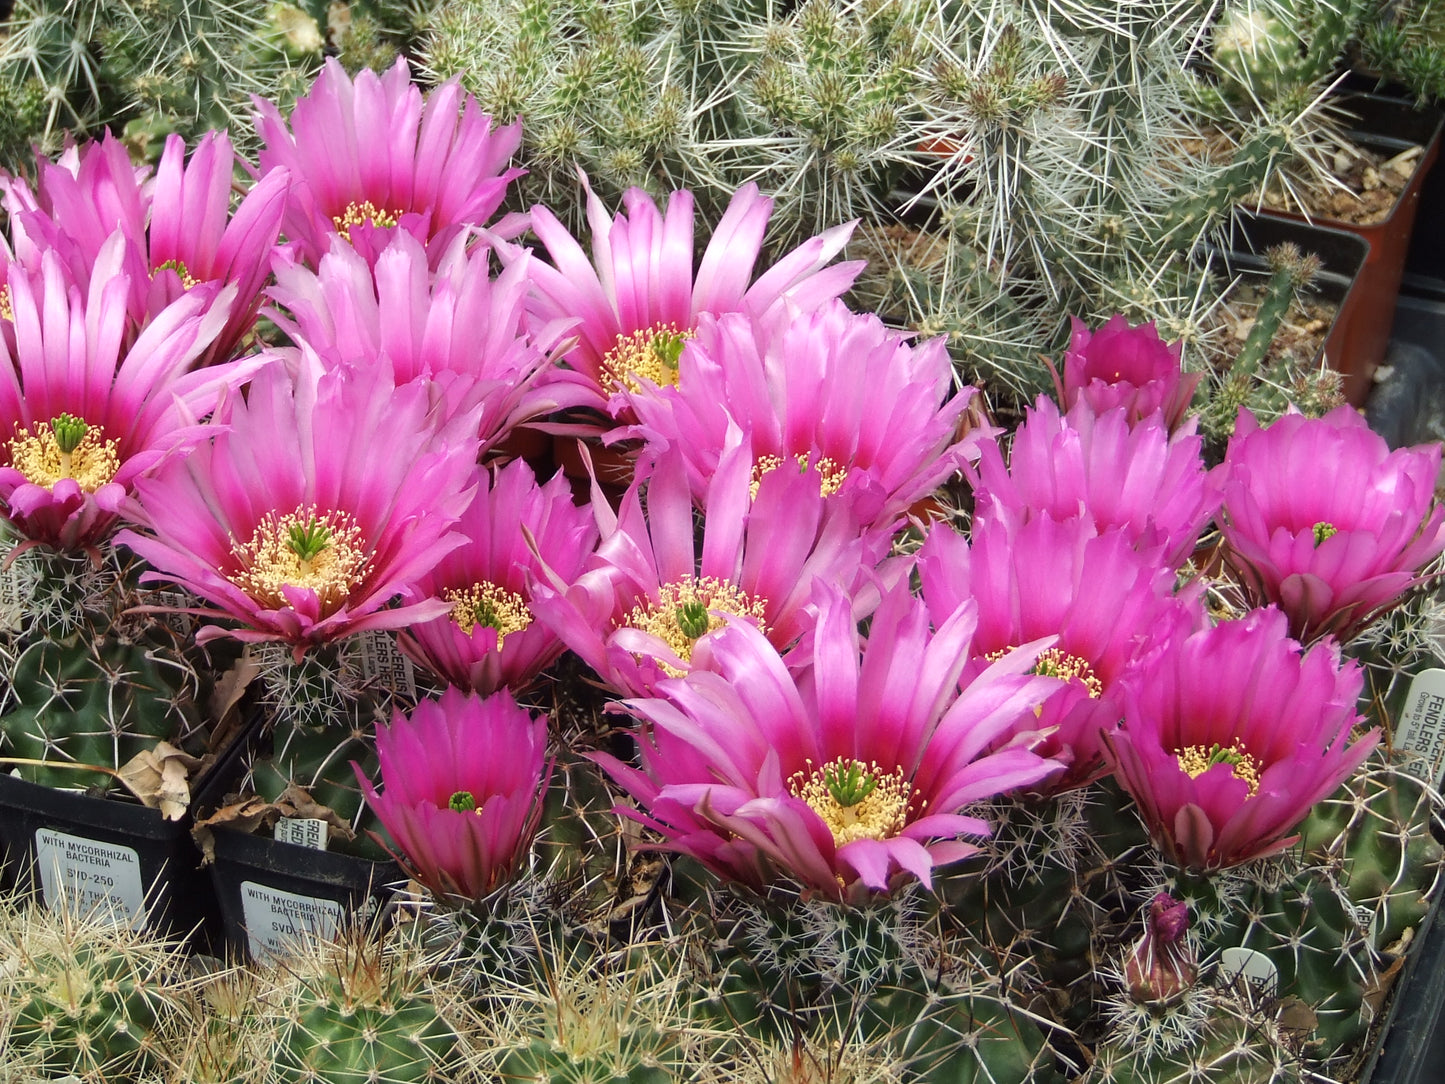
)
(491, 606)
(831, 475)
(316, 551)
(652, 353)
(1196, 760)
(7, 310)
(682, 613)
(856, 800)
(357, 214)
(1058, 663)
(187, 279)
(65, 448)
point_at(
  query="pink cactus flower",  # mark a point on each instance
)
(829, 387)
(1323, 520)
(490, 638)
(1232, 737)
(311, 508)
(86, 416)
(847, 779)
(372, 156)
(1139, 478)
(638, 298)
(1110, 608)
(462, 784)
(182, 236)
(1129, 367)
(649, 598)
(456, 325)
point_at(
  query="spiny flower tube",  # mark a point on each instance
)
(830, 388)
(489, 638)
(1136, 477)
(1323, 520)
(638, 297)
(81, 417)
(181, 233)
(1230, 739)
(1110, 608)
(649, 598)
(311, 508)
(462, 782)
(1129, 367)
(372, 156)
(847, 779)
(456, 325)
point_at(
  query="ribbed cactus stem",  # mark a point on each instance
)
(1290, 271)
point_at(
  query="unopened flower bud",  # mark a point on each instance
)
(1162, 965)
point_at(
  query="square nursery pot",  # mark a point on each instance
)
(104, 855)
(1343, 257)
(1411, 1048)
(270, 891)
(1361, 335)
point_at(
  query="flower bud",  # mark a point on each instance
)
(1162, 965)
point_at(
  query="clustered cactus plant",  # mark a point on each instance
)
(841, 779)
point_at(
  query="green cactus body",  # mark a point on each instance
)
(1230, 1045)
(362, 1010)
(82, 997)
(1257, 56)
(95, 703)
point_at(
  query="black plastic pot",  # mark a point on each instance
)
(104, 854)
(269, 891)
(1409, 1050)
(1342, 256)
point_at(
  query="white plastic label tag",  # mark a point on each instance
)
(90, 877)
(1261, 977)
(302, 831)
(17, 588)
(275, 920)
(382, 663)
(1421, 727)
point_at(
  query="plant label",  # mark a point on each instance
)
(276, 920)
(17, 586)
(1253, 970)
(1421, 726)
(302, 831)
(383, 665)
(91, 878)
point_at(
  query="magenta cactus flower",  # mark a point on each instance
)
(490, 638)
(1321, 519)
(1130, 367)
(638, 297)
(86, 416)
(373, 156)
(456, 325)
(1231, 738)
(846, 778)
(1136, 477)
(649, 597)
(1109, 607)
(876, 414)
(462, 783)
(311, 508)
(181, 233)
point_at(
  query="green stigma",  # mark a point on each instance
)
(69, 432)
(667, 346)
(178, 267)
(1220, 755)
(462, 801)
(1324, 530)
(692, 618)
(308, 540)
(849, 785)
